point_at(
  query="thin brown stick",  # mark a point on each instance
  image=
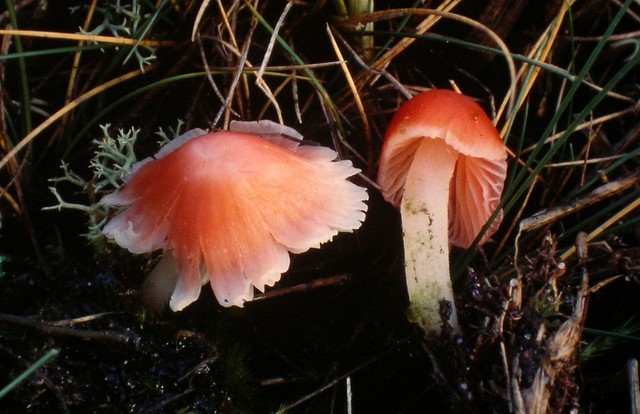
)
(314, 284)
(550, 215)
(47, 328)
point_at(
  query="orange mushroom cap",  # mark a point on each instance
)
(481, 166)
(232, 206)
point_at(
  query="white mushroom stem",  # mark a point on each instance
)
(161, 282)
(424, 210)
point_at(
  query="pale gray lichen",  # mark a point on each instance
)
(111, 163)
(125, 19)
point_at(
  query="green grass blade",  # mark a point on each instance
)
(528, 173)
(24, 79)
(59, 50)
(524, 178)
(49, 355)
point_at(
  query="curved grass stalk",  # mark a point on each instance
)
(556, 70)
(64, 110)
(356, 96)
(541, 50)
(24, 81)
(381, 62)
(390, 14)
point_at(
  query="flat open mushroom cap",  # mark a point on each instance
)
(233, 205)
(480, 169)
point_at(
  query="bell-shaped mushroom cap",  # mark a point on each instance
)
(481, 167)
(234, 205)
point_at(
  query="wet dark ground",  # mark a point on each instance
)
(206, 358)
(299, 350)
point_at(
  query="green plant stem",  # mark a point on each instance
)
(69, 49)
(612, 334)
(24, 79)
(524, 178)
(52, 353)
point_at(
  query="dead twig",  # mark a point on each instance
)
(314, 284)
(634, 388)
(560, 350)
(550, 215)
(51, 329)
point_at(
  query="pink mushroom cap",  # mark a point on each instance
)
(230, 206)
(481, 166)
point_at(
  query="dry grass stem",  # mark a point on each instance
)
(212, 82)
(196, 22)
(397, 85)
(260, 82)
(76, 56)
(12, 202)
(356, 96)
(540, 51)
(422, 28)
(119, 41)
(585, 125)
(586, 162)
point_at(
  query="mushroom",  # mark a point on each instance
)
(444, 165)
(227, 207)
